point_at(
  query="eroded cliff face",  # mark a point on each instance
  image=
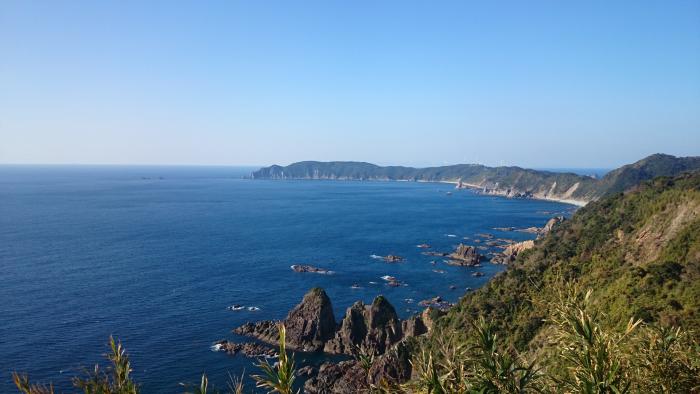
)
(512, 182)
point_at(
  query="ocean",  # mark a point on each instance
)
(155, 255)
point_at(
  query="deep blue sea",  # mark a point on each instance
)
(154, 255)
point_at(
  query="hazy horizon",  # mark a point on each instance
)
(253, 166)
(536, 85)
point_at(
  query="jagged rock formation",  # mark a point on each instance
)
(414, 326)
(513, 182)
(373, 328)
(352, 332)
(309, 325)
(465, 255)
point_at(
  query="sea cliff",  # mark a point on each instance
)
(512, 182)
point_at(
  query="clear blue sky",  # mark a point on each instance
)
(530, 83)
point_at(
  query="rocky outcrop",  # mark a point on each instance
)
(550, 225)
(248, 349)
(365, 329)
(309, 325)
(511, 252)
(384, 326)
(266, 330)
(346, 377)
(430, 315)
(413, 326)
(352, 331)
(371, 328)
(465, 255)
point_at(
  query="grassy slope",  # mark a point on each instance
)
(638, 251)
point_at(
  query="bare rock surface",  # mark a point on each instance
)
(465, 255)
(309, 325)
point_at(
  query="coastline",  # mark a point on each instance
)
(577, 203)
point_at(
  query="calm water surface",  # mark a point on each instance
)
(154, 255)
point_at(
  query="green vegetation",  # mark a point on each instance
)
(506, 180)
(639, 251)
(582, 357)
(474, 365)
(278, 378)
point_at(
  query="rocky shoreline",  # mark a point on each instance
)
(373, 330)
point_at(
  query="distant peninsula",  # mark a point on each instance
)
(514, 182)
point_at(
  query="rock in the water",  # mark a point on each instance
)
(266, 330)
(392, 258)
(248, 349)
(437, 254)
(436, 302)
(309, 325)
(465, 255)
(310, 268)
(346, 377)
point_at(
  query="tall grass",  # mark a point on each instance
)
(475, 365)
(278, 377)
(591, 359)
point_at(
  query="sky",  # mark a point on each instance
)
(528, 83)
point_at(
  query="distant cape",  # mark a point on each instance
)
(514, 182)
